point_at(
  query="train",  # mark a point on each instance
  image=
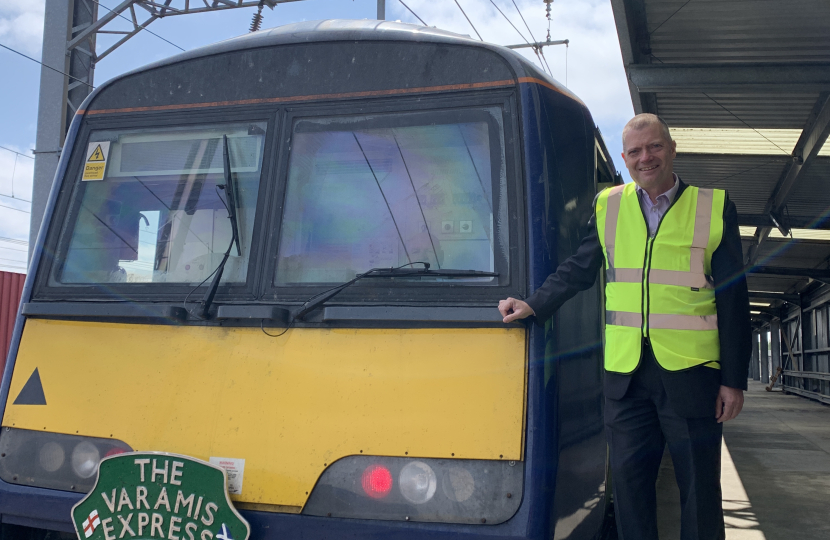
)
(284, 252)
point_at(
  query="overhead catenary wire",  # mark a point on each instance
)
(139, 26)
(542, 52)
(509, 21)
(535, 50)
(44, 65)
(14, 240)
(14, 170)
(16, 152)
(547, 14)
(15, 198)
(18, 209)
(529, 31)
(410, 10)
(468, 20)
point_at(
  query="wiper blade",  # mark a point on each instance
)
(443, 272)
(387, 272)
(230, 193)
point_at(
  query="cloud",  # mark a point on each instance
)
(21, 25)
(591, 64)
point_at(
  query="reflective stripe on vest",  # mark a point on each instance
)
(660, 287)
(663, 322)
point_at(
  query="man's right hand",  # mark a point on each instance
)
(513, 310)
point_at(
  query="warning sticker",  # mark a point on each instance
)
(235, 467)
(96, 160)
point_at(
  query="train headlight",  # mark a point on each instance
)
(51, 456)
(432, 490)
(85, 458)
(458, 484)
(417, 482)
(53, 460)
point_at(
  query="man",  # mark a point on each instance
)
(677, 334)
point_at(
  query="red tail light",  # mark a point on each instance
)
(377, 481)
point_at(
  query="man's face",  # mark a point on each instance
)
(649, 157)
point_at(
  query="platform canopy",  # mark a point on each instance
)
(745, 87)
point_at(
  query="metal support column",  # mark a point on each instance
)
(51, 111)
(381, 10)
(81, 57)
(764, 357)
(775, 346)
(754, 365)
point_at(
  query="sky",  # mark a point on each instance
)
(591, 65)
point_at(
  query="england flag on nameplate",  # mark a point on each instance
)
(91, 523)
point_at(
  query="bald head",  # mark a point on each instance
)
(645, 120)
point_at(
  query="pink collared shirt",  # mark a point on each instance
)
(654, 211)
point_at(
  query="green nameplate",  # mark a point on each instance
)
(154, 495)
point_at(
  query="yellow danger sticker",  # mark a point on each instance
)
(96, 161)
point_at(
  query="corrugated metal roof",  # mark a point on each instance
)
(738, 141)
(797, 234)
(811, 196)
(736, 110)
(794, 253)
(748, 179)
(720, 31)
(766, 283)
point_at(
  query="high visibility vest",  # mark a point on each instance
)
(660, 287)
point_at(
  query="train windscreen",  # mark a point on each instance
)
(157, 211)
(390, 190)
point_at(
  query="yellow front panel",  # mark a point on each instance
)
(289, 405)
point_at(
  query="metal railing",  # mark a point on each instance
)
(811, 384)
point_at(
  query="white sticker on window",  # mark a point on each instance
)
(235, 467)
(96, 160)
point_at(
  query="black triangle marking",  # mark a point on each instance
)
(32, 393)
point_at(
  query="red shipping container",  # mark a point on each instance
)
(11, 289)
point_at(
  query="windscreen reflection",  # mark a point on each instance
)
(362, 197)
(159, 216)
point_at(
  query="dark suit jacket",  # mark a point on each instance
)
(691, 392)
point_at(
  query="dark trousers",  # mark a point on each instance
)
(638, 427)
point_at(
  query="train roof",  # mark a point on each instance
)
(332, 30)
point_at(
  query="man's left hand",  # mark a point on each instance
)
(729, 403)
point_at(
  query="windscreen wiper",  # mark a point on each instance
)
(230, 194)
(388, 273)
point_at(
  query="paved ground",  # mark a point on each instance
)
(776, 472)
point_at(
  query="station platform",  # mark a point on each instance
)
(775, 472)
